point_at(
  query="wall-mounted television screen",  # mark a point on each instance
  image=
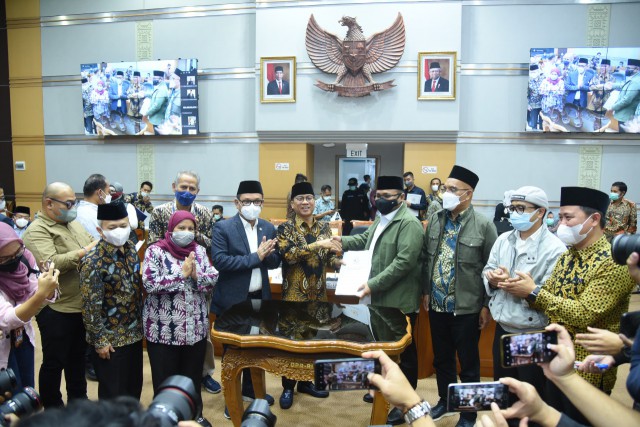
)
(584, 90)
(140, 98)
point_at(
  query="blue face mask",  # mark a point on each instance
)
(185, 198)
(522, 222)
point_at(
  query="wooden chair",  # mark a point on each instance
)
(336, 228)
(277, 221)
(356, 223)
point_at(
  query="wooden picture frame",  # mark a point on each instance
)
(272, 89)
(439, 84)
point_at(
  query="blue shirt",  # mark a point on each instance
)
(322, 206)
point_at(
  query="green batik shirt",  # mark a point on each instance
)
(110, 285)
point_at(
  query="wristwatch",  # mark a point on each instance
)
(533, 295)
(418, 411)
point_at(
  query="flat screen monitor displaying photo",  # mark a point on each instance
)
(141, 97)
(584, 90)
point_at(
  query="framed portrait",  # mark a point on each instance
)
(437, 75)
(278, 79)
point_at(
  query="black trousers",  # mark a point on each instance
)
(451, 334)
(121, 374)
(167, 360)
(409, 357)
(63, 349)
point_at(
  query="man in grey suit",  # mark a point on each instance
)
(243, 248)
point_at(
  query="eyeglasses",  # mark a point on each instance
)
(250, 202)
(8, 259)
(387, 196)
(69, 203)
(301, 199)
(519, 208)
(446, 189)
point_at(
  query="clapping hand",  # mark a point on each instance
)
(266, 248)
(520, 286)
(498, 275)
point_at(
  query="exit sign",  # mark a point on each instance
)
(356, 150)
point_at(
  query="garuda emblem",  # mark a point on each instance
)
(355, 58)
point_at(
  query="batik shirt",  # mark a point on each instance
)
(535, 98)
(322, 206)
(622, 217)
(159, 222)
(176, 311)
(587, 288)
(443, 298)
(111, 295)
(303, 275)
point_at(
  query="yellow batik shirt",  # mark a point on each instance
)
(587, 288)
(303, 265)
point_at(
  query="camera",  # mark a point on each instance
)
(25, 402)
(258, 414)
(623, 245)
(176, 400)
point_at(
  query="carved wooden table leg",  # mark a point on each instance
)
(259, 385)
(379, 410)
(232, 364)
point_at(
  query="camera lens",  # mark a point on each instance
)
(7, 380)
(258, 414)
(176, 400)
(624, 245)
(25, 402)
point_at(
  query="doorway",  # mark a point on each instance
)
(355, 167)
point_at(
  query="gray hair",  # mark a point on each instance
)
(191, 174)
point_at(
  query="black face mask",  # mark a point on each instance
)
(385, 206)
(10, 266)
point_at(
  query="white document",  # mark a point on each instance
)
(357, 312)
(414, 199)
(354, 273)
(275, 276)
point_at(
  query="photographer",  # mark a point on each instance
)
(22, 295)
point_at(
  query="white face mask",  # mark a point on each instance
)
(251, 212)
(450, 201)
(571, 235)
(435, 188)
(182, 238)
(3, 205)
(144, 194)
(117, 236)
(22, 222)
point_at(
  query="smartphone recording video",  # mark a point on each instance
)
(345, 374)
(472, 397)
(528, 348)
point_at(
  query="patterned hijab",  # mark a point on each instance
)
(167, 243)
(16, 284)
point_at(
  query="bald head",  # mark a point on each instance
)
(55, 189)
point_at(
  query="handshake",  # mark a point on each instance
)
(334, 244)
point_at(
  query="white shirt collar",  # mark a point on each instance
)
(385, 219)
(246, 224)
(535, 236)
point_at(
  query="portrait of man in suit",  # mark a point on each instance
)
(436, 83)
(278, 86)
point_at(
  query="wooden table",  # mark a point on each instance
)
(260, 349)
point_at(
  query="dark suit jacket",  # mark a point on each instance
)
(234, 262)
(442, 86)
(6, 220)
(272, 88)
(572, 87)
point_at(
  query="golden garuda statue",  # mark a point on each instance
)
(355, 58)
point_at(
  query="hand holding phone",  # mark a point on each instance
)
(473, 397)
(527, 349)
(344, 374)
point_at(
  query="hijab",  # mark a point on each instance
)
(167, 243)
(16, 284)
(557, 71)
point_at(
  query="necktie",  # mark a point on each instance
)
(280, 87)
(433, 86)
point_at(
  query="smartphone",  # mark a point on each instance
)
(472, 397)
(528, 348)
(345, 374)
(629, 323)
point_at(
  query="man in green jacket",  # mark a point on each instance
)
(456, 248)
(625, 107)
(395, 239)
(159, 100)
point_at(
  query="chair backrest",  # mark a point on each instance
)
(358, 230)
(277, 221)
(336, 228)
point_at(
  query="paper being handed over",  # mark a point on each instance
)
(354, 274)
